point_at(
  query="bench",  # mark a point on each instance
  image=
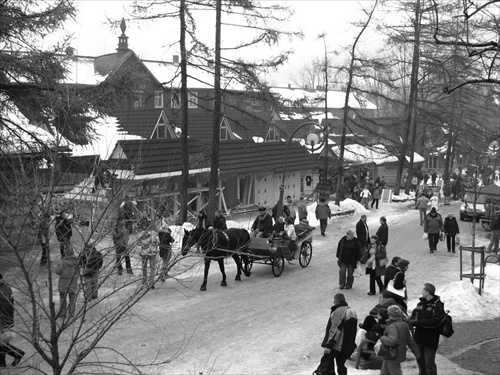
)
(363, 349)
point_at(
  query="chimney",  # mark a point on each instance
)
(123, 39)
(289, 85)
(175, 59)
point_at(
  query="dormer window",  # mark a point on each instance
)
(163, 129)
(159, 99)
(271, 135)
(225, 130)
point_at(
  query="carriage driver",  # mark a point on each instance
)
(263, 224)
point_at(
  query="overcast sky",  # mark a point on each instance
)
(151, 40)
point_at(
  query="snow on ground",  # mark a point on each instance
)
(460, 297)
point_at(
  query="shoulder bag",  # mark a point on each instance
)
(392, 289)
(386, 352)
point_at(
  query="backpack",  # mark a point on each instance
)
(446, 328)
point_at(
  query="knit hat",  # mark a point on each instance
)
(433, 210)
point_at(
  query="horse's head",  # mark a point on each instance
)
(195, 237)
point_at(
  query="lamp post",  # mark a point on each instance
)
(313, 139)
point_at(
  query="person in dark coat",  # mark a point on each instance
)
(391, 271)
(397, 334)
(398, 292)
(340, 334)
(6, 325)
(263, 224)
(375, 266)
(323, 213)
(348, 254)
(120, 240)
(43, 235)
(433, 226)
(91, 261)
(427, 318)
(63, 230)
(363, 233)
(219, 221)
(451, 229)
(495, 233)
(383, 231)
(202, 220)
(165, 249)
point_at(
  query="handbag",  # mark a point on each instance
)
(457, 240)
(398, 292)
(441, 237)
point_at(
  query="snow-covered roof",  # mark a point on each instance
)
(202, 77)
(24, 137)
(315, 98)
(376, 154)
(81, 71)
(105, 135)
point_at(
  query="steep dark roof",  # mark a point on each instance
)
(159, 155)
(109, 63)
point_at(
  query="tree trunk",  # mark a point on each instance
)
(214, 164)
(184, 110)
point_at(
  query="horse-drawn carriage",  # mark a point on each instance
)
(274, 251)
(237, 243)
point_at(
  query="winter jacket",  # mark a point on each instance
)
(349, 252)
(302, 210)
(422, 203)
(383, 234)
(363, 234)
(63, 228)
(341, 329)
(91, 262)
(433, 224)
(68, 275)
(149, 243)
(6, 306)
(376, 192)
(120, 236)
(398, 334)
(451, 226)
(166, 240)
(323, 212)
(495, 223)
(365, 193)
(389, 274)
(263, 224)
(379, 253)
(428, 315)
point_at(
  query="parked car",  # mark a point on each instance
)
(467, 210)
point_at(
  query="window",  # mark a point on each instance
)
(175, 100)
(158, 99)
(192, 99)
(163, 128)
(225, 130)
(272, 135)
(139, 99)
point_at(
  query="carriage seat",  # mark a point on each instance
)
(302, 229)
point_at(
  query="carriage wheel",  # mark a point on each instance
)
(247, 267)
(486, 225)
(305, 254)
(278, 265)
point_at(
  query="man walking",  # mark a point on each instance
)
(323, 213)
(348, 254)
(363, 233)
(427, 318)
(383, 231)
(433, 226)
(340, 334)
(495, 233)
(421, 206)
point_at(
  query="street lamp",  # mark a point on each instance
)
(314, 140)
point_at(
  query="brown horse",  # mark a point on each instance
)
(218, 245)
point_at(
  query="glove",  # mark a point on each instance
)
(339, 263)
